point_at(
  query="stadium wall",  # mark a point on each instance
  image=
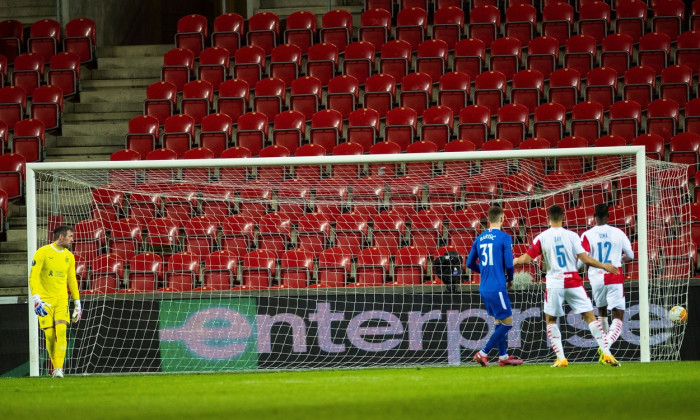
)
(292, 331)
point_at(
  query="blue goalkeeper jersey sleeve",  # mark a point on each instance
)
(494, 249)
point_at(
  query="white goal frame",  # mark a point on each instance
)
(637, 151)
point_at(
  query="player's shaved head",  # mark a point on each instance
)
(495, 213)
(601, 213)
(555, 213)
(61, 231)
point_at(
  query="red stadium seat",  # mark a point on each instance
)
(453, 91)
(688, 49)
(233, 99)
(274, 233)
(64, 72)
(587, 121)
(214, 66)
(513, 123)
(216, 133)
(640, 85)
(490, 90)
(401, 126)
(388, 230)
(395, 59)
(178, 67)
(252, 131)
(13, 105)
(297, 268)
(580, 53)
(11, 39)
(534, 167)
(249, 64)
(237, 234)
(305, 96)
(161, 98)
(677, 83)
(106, 274)
(363, 127)
(368, 194)
(426, 229)
(654, 50)
(653, 143)
(372, 267)
(662, 118)
(29, 140)
(300, 30)
(289, 131)
(564, 87)
(484, 23)
(192, 33)
(263, 31)
(474, 124)
(438, 123)
(269, 97)
(416, 91)
(12, 171)
(631, 18)
(380, 92)
(608, 164)
(322, 62)
(594, 19)
(469, 56)
(220, 270)
(334, 267)
(182, 273)
(47, 106)
(557, 21)
(351, 231)
(197, 99)
(197, 174)
(448, 25)
(228, 32)
(314, 231)
(44, 38)
(412, 26)
(178, 133)
(326, 129)
(89, 239)
(411, 266)
(617, 52)
(601, 86)
(383, 170)
(527, 89)
(285, 63)
(28, 72)
(125, 238)
(521, 22)
(571, 165)
(259, 269)
(543, 55)
(336, 28)
(343, 94)
(669, 17)
(685, 148)
(506, 54)
(625, 119)
(145, 272)
(375, 27)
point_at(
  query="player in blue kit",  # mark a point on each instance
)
(492, 257)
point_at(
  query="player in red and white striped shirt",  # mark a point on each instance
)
(607, 244)
(560, 248)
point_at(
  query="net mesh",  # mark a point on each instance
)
(331, 265)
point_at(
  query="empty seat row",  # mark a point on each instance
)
(46, 39)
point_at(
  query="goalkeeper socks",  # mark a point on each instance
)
(498, 334)
(61, 344)
(615, 331)
(604, 322)
(599, 335)
(50, 335)
(555, 339)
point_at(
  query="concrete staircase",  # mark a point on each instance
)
(111, 95)
(28, 11)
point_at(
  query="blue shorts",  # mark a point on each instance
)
(497, 304)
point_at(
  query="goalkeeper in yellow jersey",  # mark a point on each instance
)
(53, 267)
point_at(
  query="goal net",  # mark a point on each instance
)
(328, 262)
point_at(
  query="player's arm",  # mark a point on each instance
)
(627, 252)
(595, 263)
(533, 252)
(40, 307)
(73, 286)
(472, 263)
(587, 247)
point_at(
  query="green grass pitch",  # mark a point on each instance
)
(581, 391)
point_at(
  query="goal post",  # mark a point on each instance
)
(333, 268)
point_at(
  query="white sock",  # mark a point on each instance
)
(481, 352)
(604, 322)
(615, 331)
(555, 339)
(504, 357)
(599, 335)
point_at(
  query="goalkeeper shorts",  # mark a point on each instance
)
(58, 311)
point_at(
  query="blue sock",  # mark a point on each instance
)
(503, 344)
(498, 335)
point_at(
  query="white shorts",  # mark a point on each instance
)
(576, 297)
(610, 295)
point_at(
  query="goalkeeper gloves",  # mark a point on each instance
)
(77, 311)
(40, 307)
